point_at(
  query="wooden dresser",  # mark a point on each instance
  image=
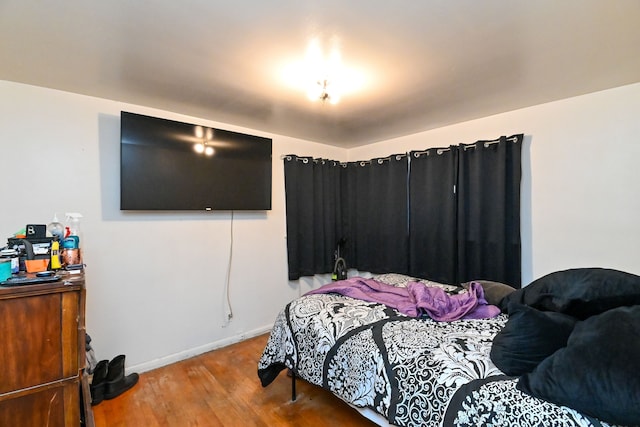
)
(42, 355)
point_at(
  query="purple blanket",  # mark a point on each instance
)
(416, 299)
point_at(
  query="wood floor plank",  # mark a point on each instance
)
(222, 388)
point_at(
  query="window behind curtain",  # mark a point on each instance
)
(432, 214)
(376, 200)
(313, 203)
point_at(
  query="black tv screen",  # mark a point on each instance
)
(160, 168)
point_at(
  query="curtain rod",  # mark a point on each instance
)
(513, 138)
(439, 151)
(306, 159)
(381, 160)
(290, 157)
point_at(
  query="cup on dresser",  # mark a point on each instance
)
(71, 257)
(5, 269)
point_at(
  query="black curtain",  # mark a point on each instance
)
(448, 214)
(432, 214)
(314, 225)
(376, 214)
(488, 235)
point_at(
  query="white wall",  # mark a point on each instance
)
(155, 281)
(581, 179)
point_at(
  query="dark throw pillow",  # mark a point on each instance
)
(580, 292)
(494, 292)
(529, 337)
(597, 373)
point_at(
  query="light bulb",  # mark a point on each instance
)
(199, 148)
(208, 151)
(199, 132)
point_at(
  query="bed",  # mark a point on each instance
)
(407, 371)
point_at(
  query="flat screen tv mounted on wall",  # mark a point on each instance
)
(160, 168)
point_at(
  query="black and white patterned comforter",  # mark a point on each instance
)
(411, 371)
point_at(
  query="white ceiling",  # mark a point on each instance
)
(428, 63)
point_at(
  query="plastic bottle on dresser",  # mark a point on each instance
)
(55, 229)
(72, 240)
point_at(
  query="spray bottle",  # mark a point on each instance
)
(73, 227)
(72, 240)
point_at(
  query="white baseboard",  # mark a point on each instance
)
(187, 354)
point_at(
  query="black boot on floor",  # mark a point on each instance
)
(117, 383)
(98, 382)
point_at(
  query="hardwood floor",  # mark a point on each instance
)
(222, 388)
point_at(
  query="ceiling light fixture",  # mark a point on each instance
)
(324, 91)
(323, 73)
(323, 77)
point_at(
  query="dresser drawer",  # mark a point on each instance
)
(54, 405)
(39, 339)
